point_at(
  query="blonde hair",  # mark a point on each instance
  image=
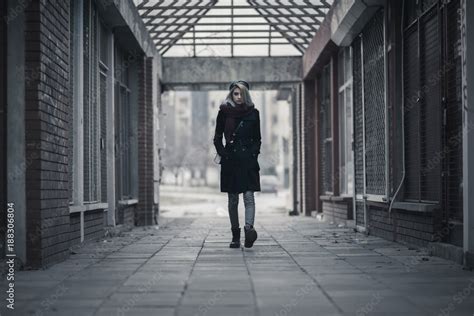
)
(246, 98)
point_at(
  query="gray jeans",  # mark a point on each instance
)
(249, 203)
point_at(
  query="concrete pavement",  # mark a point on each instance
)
(298, 266)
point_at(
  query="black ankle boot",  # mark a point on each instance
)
(250, 236)
(235, 238)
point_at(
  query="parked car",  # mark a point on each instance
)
(269, 184)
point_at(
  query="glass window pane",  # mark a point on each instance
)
(347, 63)
(342, 141)
(340, 68)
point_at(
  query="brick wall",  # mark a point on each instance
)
(46, 118)
(299, 154)
(144, 214)
(93, 226)
(402, 226)
(126, 215)
(337, 211)
(129, 216)
(309, 147)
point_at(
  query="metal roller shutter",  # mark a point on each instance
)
(453, 137)
(358, 132)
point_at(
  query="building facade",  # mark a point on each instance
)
(80, 98)
(384, 122)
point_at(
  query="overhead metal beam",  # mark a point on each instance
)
(213, 73)
(259, 10)
(235, 37)
(160, 16)
(196, 38)
(296, 31)
(223, 31)
(227, 7)
(181, 33)
(173, 10)
(230, 43)
(231, 23)
(296, 23)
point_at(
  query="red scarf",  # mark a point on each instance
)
(232, 114)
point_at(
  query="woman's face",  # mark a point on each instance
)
(237, 96)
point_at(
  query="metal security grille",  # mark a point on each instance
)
(71, 103)
(430, 118)
(104, 73)
(86, 103)
(374, 104)
(91, 113)
(123, 128)
(125, 136)
(358, 132)
(325, 130)
(95, 113)
(358, 119)
(411, 112)
(103, 137)
(422, 106)
(453, 137)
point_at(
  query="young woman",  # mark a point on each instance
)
(239, 121)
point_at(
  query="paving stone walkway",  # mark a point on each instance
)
(298, 266)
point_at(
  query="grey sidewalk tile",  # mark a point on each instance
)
(44, 307)
(86, 290)
(66, 311)
(219, 284)
(374, 303)
(135, 311)
(143, 299)
(213, 310)
(298, 266)
(131, 289)
(299, 310)
(218, 297)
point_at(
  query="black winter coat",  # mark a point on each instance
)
(240, 170)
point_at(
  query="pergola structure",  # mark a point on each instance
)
(258, 25)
